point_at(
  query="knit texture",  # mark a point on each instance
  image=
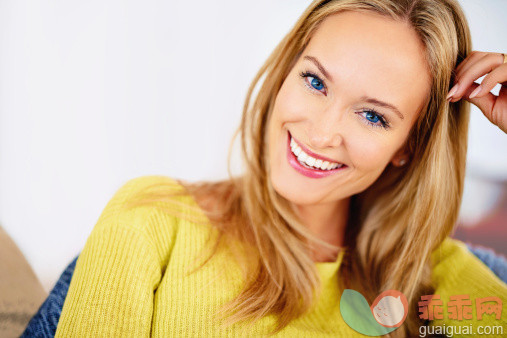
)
(130, 280)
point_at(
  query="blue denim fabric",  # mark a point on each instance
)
(44, 323)
(497, 263)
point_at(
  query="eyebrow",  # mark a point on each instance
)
(368, 99)
(382, 104)
(321, 68)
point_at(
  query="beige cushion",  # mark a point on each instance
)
(21, 293)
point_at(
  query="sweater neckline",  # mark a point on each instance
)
(328, 269)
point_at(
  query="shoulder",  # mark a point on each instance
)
(459, 277)
(137, 185)
(450, 252)
(455, 268)
(453, 256)
(122, 212)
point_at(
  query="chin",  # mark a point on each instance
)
(295, 193)
(292, 192)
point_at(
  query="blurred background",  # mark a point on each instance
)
(94, 93)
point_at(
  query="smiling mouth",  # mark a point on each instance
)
(308, 163)
(311, 160)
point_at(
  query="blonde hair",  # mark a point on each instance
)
(394, 225)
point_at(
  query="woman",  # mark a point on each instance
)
(354, 168)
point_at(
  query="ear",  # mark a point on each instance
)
(401, 157)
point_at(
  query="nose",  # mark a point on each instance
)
(326, 131)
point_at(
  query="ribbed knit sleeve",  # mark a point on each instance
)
(458, 272)
(118, 270)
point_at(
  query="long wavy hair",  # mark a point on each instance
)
(394, 224)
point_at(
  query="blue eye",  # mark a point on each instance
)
(315, 82)
(373, 118)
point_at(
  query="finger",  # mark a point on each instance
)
(475, 71)
(493, 107)
(497, 75)
(479, 58)
(466, 68)
(484, 103)
(472, 57)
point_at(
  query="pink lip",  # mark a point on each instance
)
(312, 173)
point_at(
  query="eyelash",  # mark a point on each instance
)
(384, 123)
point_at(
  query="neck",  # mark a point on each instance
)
(328, 222)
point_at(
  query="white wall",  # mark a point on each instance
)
(93, 93)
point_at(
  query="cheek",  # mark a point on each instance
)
(291, 103)
(369, 152)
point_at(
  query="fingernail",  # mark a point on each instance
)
(453, 91)
(475, 92)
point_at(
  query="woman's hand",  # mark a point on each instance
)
(473, 67)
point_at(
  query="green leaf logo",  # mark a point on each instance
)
(386, 314)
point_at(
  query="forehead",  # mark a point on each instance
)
(372, 55)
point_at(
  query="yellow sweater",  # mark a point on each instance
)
(129, 280)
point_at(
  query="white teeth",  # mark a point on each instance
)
(310, 161)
